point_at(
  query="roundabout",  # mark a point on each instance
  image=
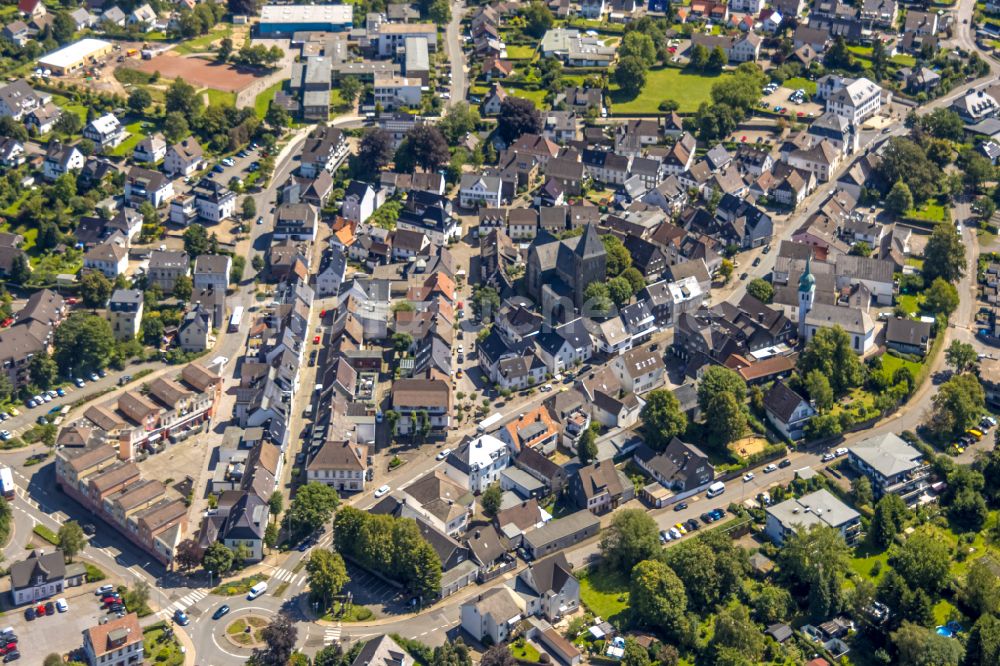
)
(247, 631)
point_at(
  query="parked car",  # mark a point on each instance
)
(61, 392)
(827, 457)
(104, 590)
(707, 517)
(785, 463)
(749, 476)
(840, 452)
(29, 613)
(50, 608)
(680, 506)
(770, 468)
(61, 605)
(442, 454)
(692, 524)
(11, 656)
(79, 382)
(94, 377)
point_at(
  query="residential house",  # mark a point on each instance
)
(295, 222)
(211, 271)
(117, 642)
(639, 370)
(110, 258)
(817, 508)
(892, 465)
(412, 398)
(908, 336)
(787, 411)
(195, 330)
(360, 201)
(184, 158)
(142, 184)
(124, 312)
(105, 131)
(42, 576)
(477, 463)
(477, 190)
(61, 159)
(681, 467)
(152, 149)
(165, 266)
(600, 487)
(340, 465)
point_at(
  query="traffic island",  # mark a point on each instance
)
(247, 632)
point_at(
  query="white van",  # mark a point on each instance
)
(257, 590)
(716, 489)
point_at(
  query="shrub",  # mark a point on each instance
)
(47, 534)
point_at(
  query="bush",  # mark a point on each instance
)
(94, 574)
(47, 534)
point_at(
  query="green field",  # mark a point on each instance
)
(797, 82)
(604, 593)
(687, 88)
(202, 43)
(932, 211)
(135, 135)
(536, 96)
(263, 100)
(909, 302)
(520, 52)
(220, 97)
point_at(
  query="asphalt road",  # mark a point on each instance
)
(456, 56)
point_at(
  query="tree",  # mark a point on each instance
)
(656, 597)
(712, 570)
(375, 150)
(68, 124)
(880, 59)
(976, 169)
(424, 146)
(941, 297)
(618, 257)
(63, 27)
(888, 521)
(183, 287)
(271, 535)
(983, 647)
(277, 117)
(620, 291)
(597, 299)
(815, 561)
(634, 277)
(830, 352)
(633, 536)
(717, 380)
(861, 249)
(350, 87)
(491, 499)
(662, 419)
(249, 208)
(699, 57)
(20, 270)
(218, 559)
(440, 12)
(195, 240)
(726, 269)
(818, 387)
(961, 356)
(717, 59)
(761, 290)
(498, 655)
(900, 199)
(861, 491)
(920, 646)
(95, 289)
(312, 506)
(944, 255)
(772, 604)
(838, 56)
(538, 19)
(225, 49)
(485, 302)
(276, 503)
(43, 370)
(182, 97)
(728, 420)
(460, 120)
(279, 637)
(53, 659)
(586, 448)
(327, 575)
(735, 630)
(83, 341)
(630, 75)
(981, 588)
(136, 598)
(518, 116)
(639, 45)
(139, 99)
(175, 127)
(957, 405)
(923, 560)
(905, 160)
(71, 539)
(152, 329)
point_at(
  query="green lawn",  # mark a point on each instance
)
(536, 96)
(604, 593)
(892, 363)
(903, 60)
(916, 262)
(163, 651)
(863, 562)
(203, 43)
(135, 135)
(932, 211)
(520, 52)
(909, 302)
(689, 89)
(220, 97)
(944, 611)
(263, 101)
(526, 652)
(797, 82)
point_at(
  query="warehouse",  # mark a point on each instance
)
(76, 55)
(286, 20)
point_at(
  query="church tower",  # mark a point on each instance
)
(807, 292)
(590, 263)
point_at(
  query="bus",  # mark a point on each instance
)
(235, 319)
(6, 483)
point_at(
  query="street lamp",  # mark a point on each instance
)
(209, 577)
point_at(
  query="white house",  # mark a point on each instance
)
(360, 201)
(184, 158)
(477, 190)
(854, 99)
(109, 258)
(478, 463)
(105, 131)
(61, 159)
(787, 411)
(395, 91)
(39, 576)
(211, 271)
(152, 149)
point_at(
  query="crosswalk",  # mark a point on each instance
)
(331, 635)
(183, 603)
(286, 576)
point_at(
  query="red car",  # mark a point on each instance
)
(110, 600)
(316, 340)
(322, 313)
(40, 610)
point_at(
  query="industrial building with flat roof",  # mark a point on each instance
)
(289, 19)
(76, 55)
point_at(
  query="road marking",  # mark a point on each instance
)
(332, 634)
(183, 603)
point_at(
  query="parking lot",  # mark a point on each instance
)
(780, 98)
(60, 633)
(369, 590)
